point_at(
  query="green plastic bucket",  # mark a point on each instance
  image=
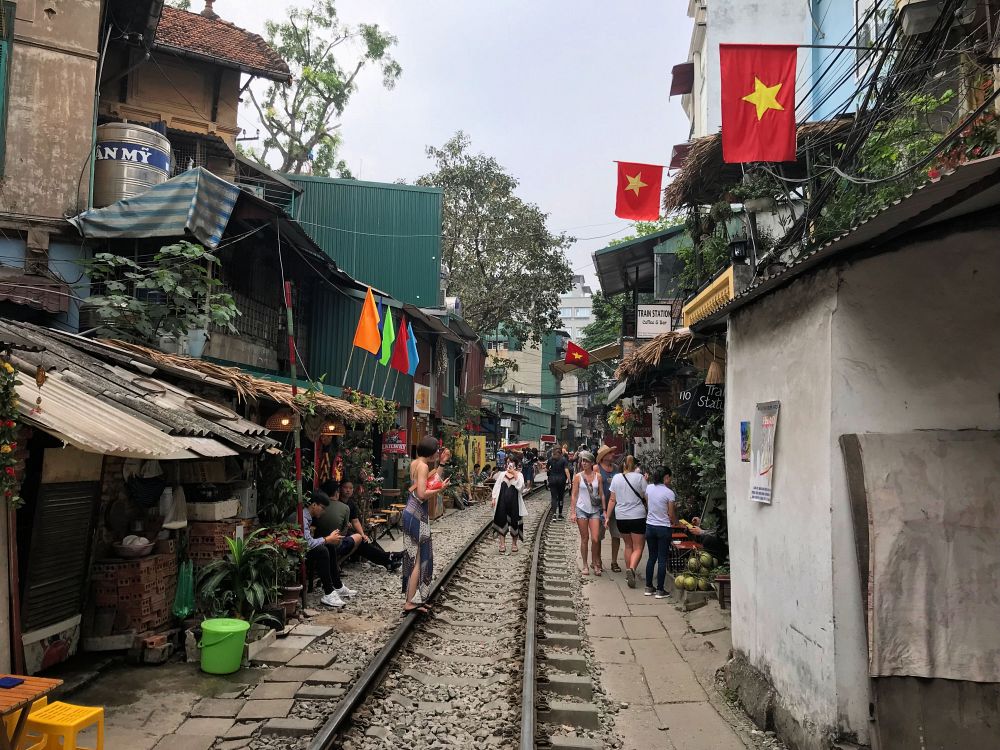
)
(222, 642)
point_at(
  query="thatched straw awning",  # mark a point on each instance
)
(248, 387)
(704, 176)
(672, 344)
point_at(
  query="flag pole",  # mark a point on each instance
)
(394, 384)
(371, 388)
(347, 369)
(361, 377)
(385, 383)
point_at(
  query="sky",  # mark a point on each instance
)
(556, 90)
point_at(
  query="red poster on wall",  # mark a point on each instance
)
(394, 443)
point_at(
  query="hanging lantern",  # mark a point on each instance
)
(283, 420)
(334, 428)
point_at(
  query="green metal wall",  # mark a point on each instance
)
(335, 316)
(388, 236)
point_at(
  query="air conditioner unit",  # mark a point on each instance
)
(919, 16)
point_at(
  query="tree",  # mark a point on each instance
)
(503, 262)
(175, 294)
(606, 325)
(180, 4)
(300, 118)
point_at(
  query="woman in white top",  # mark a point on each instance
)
(586, 509)
(508, 504)
(660, 518)
(628, 493)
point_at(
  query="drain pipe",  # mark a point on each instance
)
(93, 125)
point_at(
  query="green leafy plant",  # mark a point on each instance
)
(707, 456)
(290, 545)
(10, 483)
(357, 450)
(386, 410)
(277, 494)
(244, 582)
(175, 293)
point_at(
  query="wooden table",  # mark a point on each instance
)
(21, 698)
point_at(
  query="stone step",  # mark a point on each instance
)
(573, 662)
(554, 601)
(583, 715)
(562, 626)
(576, 686)
(560, 640)
(560, 613)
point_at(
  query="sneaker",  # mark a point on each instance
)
(332, 600)
(345, 593)
(630, 578)
(661, 594)
(648, 591)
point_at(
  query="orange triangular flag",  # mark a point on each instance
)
(367, 336)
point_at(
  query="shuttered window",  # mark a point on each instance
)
(6, 45)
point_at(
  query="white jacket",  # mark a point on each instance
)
(517, 483)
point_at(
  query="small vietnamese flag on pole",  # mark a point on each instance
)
(576, 355)
(366, 336)
(400, 352)
(758, 102)
(638, 196)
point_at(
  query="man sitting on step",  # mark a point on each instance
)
(342, 501)
(321, 551)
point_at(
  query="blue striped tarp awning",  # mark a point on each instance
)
(196, 201)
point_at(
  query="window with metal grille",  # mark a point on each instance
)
(6, 45)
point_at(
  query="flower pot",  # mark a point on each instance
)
(290, 607)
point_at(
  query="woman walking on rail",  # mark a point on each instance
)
(660, 517)
(418, 554)
(508, 501)
(587, 510)
(628, 492)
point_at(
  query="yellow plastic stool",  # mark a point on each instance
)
(28, 740)
(59, 723)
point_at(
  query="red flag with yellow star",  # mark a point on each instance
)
(577, 355)
(638, 191)
(758, 102)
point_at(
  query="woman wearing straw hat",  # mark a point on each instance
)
(606, 467)
(587, 509)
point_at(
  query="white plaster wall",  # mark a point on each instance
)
(914, 347)
(783, 615)
(758, 22)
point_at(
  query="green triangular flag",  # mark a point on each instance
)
(388, 337)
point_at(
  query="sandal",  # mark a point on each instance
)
(420, 609)
(513, 548)
(598, 570)
(586, 570)
(615, 568)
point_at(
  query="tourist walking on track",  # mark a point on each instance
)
(418, 554)
(557, 471)
(661, 516)
(628, 492)
(508, 504)
(587, 510)
(606, 466)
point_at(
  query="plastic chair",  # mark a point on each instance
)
(28, 740)
(59, 724)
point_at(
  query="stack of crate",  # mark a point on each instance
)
(207, 539)
(141, 592)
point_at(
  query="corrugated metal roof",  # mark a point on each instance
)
(93, 425)
(971, 187)
(629, 265)
(386, 235)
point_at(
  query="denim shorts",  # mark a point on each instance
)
(585, 514)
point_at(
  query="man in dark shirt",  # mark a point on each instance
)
(557, 472)
(366, 548)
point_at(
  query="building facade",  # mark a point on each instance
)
(576, 311)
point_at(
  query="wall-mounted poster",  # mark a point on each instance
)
(765, 424)
(745, 442)
(421, 398)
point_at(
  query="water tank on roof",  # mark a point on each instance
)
(129, 159)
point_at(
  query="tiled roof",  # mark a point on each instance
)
(219, 40)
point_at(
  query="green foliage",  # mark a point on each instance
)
(277, 493)
(386, 410)
(180, 4)
(357, 450)
(494, 242)
(707, 457)
(606, 325)
(243, 583)
(894, 145)
(300, 118)
(179, 289)
(642, 228)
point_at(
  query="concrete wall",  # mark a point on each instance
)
(50, 107)
(783, 608)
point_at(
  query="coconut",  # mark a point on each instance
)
(706, 560)
(703, 584)
(679, 581)
(694, 563)
(690, 583)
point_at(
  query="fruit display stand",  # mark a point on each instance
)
(695, 584)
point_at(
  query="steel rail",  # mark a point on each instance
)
(529, 668)
(371, 678)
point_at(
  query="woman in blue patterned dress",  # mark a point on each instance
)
(418, 554)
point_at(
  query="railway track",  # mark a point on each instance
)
(505, 636)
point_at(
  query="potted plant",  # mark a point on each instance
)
(242, 584)
(290, 546)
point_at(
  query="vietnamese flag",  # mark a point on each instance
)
(638, 196)
(367, 336)
(758, 102)
(576, 355)
(400, 351)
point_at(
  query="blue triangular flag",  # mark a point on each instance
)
(411, 350)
